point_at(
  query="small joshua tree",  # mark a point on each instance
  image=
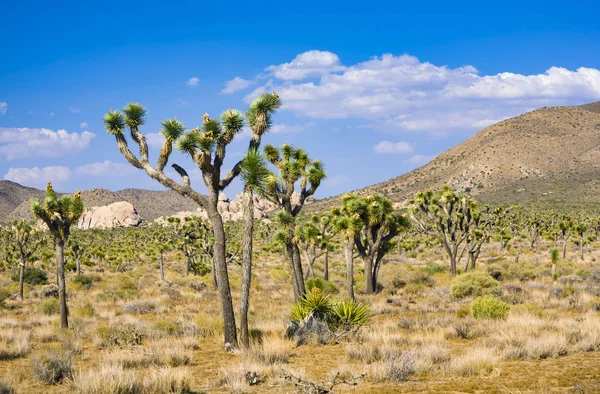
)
(207, 147)
(294, 166)
(581, 229)
(347, 224)
(77, 248)
(554, 260)
(565, 228)
(27, 239)
(59, 214)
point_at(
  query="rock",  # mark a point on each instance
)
(118, 214)
(309, 327)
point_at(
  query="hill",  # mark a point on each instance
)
(549, 157)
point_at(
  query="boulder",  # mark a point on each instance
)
(118, 214)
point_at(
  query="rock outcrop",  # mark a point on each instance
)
(229, 210)
(118, 214)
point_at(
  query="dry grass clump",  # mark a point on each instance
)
(394, 368)
(209, 326)
(477, 362)
(6, 388)
(14, 344)
(429, 355)
(113, 378)
(271, 351)
(240, 378)
(467, 328)
(370, 353)
(119, 334)
(52, 366)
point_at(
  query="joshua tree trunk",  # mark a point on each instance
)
(348, 254)
(326, 265)
(162, 266)
(368, 263)
(188, 264)
(62, 291)
(517, 257)
(78, 263)
(248, 219)
(221, 272)
(581, 248)
(215, 282)
(21, 276)
(564, 253)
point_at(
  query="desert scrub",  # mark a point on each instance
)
(478, 362)
(272, 351)
(348, 314)
(315, 303)
(119, 335)
(209, 326)
(121, 288)
(33, 276)
(82, 282)
(49, 307)
(475, 283)
(489, 307)
(323, 285)
(6, 388)
(14, 344)
(52, 366)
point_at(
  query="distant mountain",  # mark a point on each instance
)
(549, 157)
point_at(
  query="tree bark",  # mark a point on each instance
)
(188, 264)
(348, 254)
(78, 263)
(297, 266)
(368, 264)
(62, 291)
(248, 223)
(229, 331)
(564, 253)
(326, 265)
(21, 276)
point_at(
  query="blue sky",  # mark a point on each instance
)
(372, 89)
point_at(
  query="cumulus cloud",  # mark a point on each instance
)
(38, 177)
(104, 168)
(155, 140)
(288, 129)
(3, 107)
(236, 84)
(192, 82)
(403, 93)
(19, 143)
(83, 125)
(393, 147)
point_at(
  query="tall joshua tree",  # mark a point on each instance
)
(207, 147)
(565, 228)
(59, 214)
(380, 226)
(347, 224)
(448, 216)
(254, 173)
(27, 239)
(294, 166)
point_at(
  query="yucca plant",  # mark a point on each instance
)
(315, 303)
(348, 313)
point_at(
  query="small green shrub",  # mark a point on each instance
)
(463, 311)
(124, 288)
(315, 303)
(49, 307)
(33, 276)
(475, 283)
(4, 295)
(433, 268)
(321, 284)
(86, 310)
(53, 366)
(489, 307)
(82, 281)
(70, 266)
(348, 314)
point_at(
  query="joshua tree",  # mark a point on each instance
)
(380, 225)
(307, 236)
(347, 224)
(448, 216)
(163, 243)
(533, 230)
(254, 172)
(59, 214)
(27, 239)
(566, 228)
(554, 260)
(206, 147)
(77, 248)
(581, 229)
(294, 166)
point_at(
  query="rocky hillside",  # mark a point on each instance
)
(549, 157)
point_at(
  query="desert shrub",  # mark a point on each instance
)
(433, 268)
(198, 286)
(489, 307)
(70, 266)
(82, 281)
(414, 288)
(49, 291)
(347, 314)
(475, 283)
(123, 288)
(120, 335)
(466, 328)
(315, 303)
(6, 388)
(52, 366)
(14, 344)
(49, 307)
(479, 362)
(33, 276)
(86, 310)
(209, 326)
(323, 285)
(273, 351)
(463, 311)
(140, 307)
(166, 326)
(4, 295)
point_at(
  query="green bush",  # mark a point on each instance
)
(463, 311)
(475, 283)
(321, 284)
(82, 281)
(70, 266)
(315, 303)
(123, 288)
(33, 276)
(433, 268)
(4, 295)
(49, 306)
(489, 307)
(347, 314)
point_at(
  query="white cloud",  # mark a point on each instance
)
(155, 140)
(308, 64)
(236, 84)
(83, 125)
(403, 93)
(18, 143)
(393, 147)
(74, 109)
(105, 168)
(420, 159)
(39, 176)
(3, 107)
(288, 129)
(192, 81)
